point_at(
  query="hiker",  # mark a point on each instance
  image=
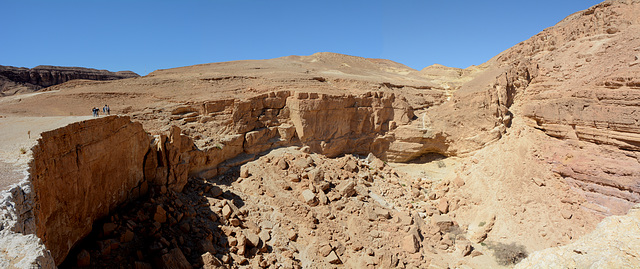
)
(108, 110)
(104, 110)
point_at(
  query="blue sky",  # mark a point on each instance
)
(143, 36)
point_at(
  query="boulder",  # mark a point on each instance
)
(411, 243)
(346, 188)
(244, 171)
(108, 228)
(127, 236)
(332, 258)
(443, 222)
(316, 175)
(309, 197)
(83, 258)
(174, 259)
(210, 261)
(325, 250)
(443, 206)
(160, 215)
(252, 239)
(478, 233)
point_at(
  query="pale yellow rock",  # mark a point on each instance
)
(615, 243)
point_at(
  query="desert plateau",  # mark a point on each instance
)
(529, 160)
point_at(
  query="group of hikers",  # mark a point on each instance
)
(105, 110)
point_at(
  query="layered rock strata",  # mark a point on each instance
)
(585, 92)
(576, 82)
(19, 80)
(328, 124)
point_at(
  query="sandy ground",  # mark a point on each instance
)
(498, 181)
(18, 135)
(432, 168)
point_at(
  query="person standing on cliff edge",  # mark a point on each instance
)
(108, 110)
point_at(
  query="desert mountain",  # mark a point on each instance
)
(24, 80)
(336, 160)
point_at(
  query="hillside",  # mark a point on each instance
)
(14, 80)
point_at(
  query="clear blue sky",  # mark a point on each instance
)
(143, 36)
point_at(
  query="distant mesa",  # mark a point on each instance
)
(14, 80)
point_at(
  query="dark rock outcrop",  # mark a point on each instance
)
(20, 80)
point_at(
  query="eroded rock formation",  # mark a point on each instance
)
(81, 173)
(328, 124)
(21, 80)
(586, 89)
(548, 124)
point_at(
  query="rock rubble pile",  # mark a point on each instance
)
(287, 209)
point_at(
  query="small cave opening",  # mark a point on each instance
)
(430, 157)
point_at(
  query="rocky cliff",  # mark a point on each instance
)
(328, 124)
(583, 88)
(20, 80)
(81, 173)
(559, 110)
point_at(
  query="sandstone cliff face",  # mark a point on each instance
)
(577, 81)
(17, 80)
(476, 114)
(82, 172)
(592, 106)
(582, 88)
(168, 160)
(225, 129)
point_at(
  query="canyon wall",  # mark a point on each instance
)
(17, 79)
(228, 131)
(219, 134)
(576, 81)
(585, 93)
(81, 173)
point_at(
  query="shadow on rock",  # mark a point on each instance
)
(201, 227)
